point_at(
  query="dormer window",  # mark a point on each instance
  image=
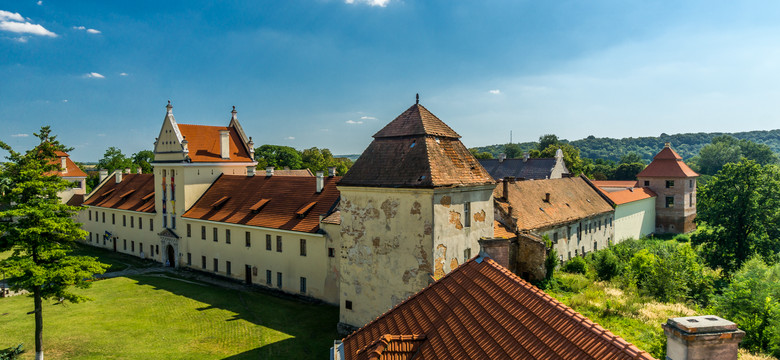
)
(220, 202)
(259, 205)
(305, 209)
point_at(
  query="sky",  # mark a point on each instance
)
(331, 73)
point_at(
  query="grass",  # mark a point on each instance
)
(116, 260)
(157, 316)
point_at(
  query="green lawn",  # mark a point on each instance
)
(157, 317)
(118, 261)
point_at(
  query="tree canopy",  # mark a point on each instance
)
(40, 231)
(314, 159)
(143, 159)
(114, 159)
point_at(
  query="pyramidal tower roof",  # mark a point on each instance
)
(667, 163)
(416, 150)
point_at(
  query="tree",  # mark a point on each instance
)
(739, 209)
(512, 151)
(481, 155)
(143, 159)
(547, 140)
(631, 158)
(41, 232)
(278, 156)
(571, 157)
(628, 171)
(113, 159)
(727, 149)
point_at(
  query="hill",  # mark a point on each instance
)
(687, 145)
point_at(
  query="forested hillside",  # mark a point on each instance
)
(687, 145)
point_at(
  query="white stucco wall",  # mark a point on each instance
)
(634, 219)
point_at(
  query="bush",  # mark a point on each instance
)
(683, 238)
(12, 353)
(607, 264)
(577, 265)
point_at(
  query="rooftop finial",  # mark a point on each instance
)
(234, 117)
(169, 107)
(417, 98)
(668, 144)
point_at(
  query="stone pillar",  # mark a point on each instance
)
(706, 337)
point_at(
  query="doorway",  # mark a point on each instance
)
(171, 260)
(248, 276)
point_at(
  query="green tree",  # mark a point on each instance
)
(751, 301)
(481, 155)
(571, 157)
(631, 158)
(739, 209)
(41, 232)
(143, 159)
(628, 171)
(278, 156)
(114, 159)
(723, 149)
(513, 151)
(547, 140)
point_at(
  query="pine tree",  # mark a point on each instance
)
(41, 231)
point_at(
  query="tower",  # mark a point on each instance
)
(413, 207)
(675, 183)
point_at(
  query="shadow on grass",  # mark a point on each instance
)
(311, 327)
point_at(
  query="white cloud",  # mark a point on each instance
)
(123, 74)
(22, 39)
(20, 135)
(79, 28)
(7, 15)
(495, 92)
(40, 2)
(21, 27)
(93, 31)
(353, 122)
(65, 100)
(290, 138)
(380, 3)
(101, 135)
(367, 118)
(95, 75)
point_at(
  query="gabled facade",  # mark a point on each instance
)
(412, 209)
(675, 184)
(526, 168)
(634, 208)
(68, 170)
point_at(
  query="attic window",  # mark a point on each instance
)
(259, 205)
(412, 145)
(148, 196)
(220, 202)
(127, 193)
(305, 209)
(437, 140)
(108, 192)
(421, 178)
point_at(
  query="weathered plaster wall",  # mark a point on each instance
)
(581, 237)
(386, 249)
(453, 240)
(634, 219)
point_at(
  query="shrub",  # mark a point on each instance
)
(12, 353)
(607, 264)
(577, 265)
(683, 238)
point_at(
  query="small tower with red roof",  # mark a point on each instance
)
(675, 183)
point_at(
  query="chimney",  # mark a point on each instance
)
(332, 171)
(269, 171)
(103, 174)
(250, 171)
(667, 145)
(251, 146)
(127, 170)
(559, 154)
(546, 197)
(505, 192)
(501, 157)
(701, 337)
(118, 176)
(64, 164)
(496, 249)
(525, 157)
(139, 171)
(185, 146)
(224, 143)
(320, 181)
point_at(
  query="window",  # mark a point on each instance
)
(268, 277)
(216, 265)
(203, 232)
(189, 259)
(248, 239)
(348, 305)
(151, 250)
(203, 262)
(555, 237)
(215, 235)
(279, 280)
(173, 221)
(278, 243)
(669, 184)
(151, 224)
(140, 223)
(268, 242)
(165, 221)
(189, 230)
(227, 267)
(690, 183)
(124, 220)
(467, 214)
(599, 225)
(140, 247)
(132, 222)
(331, 252)
(466, 254)
(595, 245)
(104, 217)
(303, 247)
(113, 219)
(690, 199)
(124, 245)
(227, 236)
(670, 201)
(132, 246)
(157, 249)
(303, 285)
(90, 217)
(647, 182)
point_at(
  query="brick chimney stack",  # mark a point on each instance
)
(224, 143)
(64, 164)
(706, 337)
(269, 171)
(496, 249)
(118, 176)
(501, 157)
(320, 181)
(250, 171)
(103, 174)
(332, 171)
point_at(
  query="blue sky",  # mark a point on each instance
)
(330, 73)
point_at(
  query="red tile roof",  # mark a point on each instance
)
(334, 218)
(501, 231)
(296, 172)
(481, 310)
(134, 187)
(570, 199)
(73, 169)
(667, 163)
(75, 200)
(615, 183)
(416, 150)
(204, 144)
(392, 347)
(286, 196)
(629, 195)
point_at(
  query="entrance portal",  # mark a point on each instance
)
(171, 260)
